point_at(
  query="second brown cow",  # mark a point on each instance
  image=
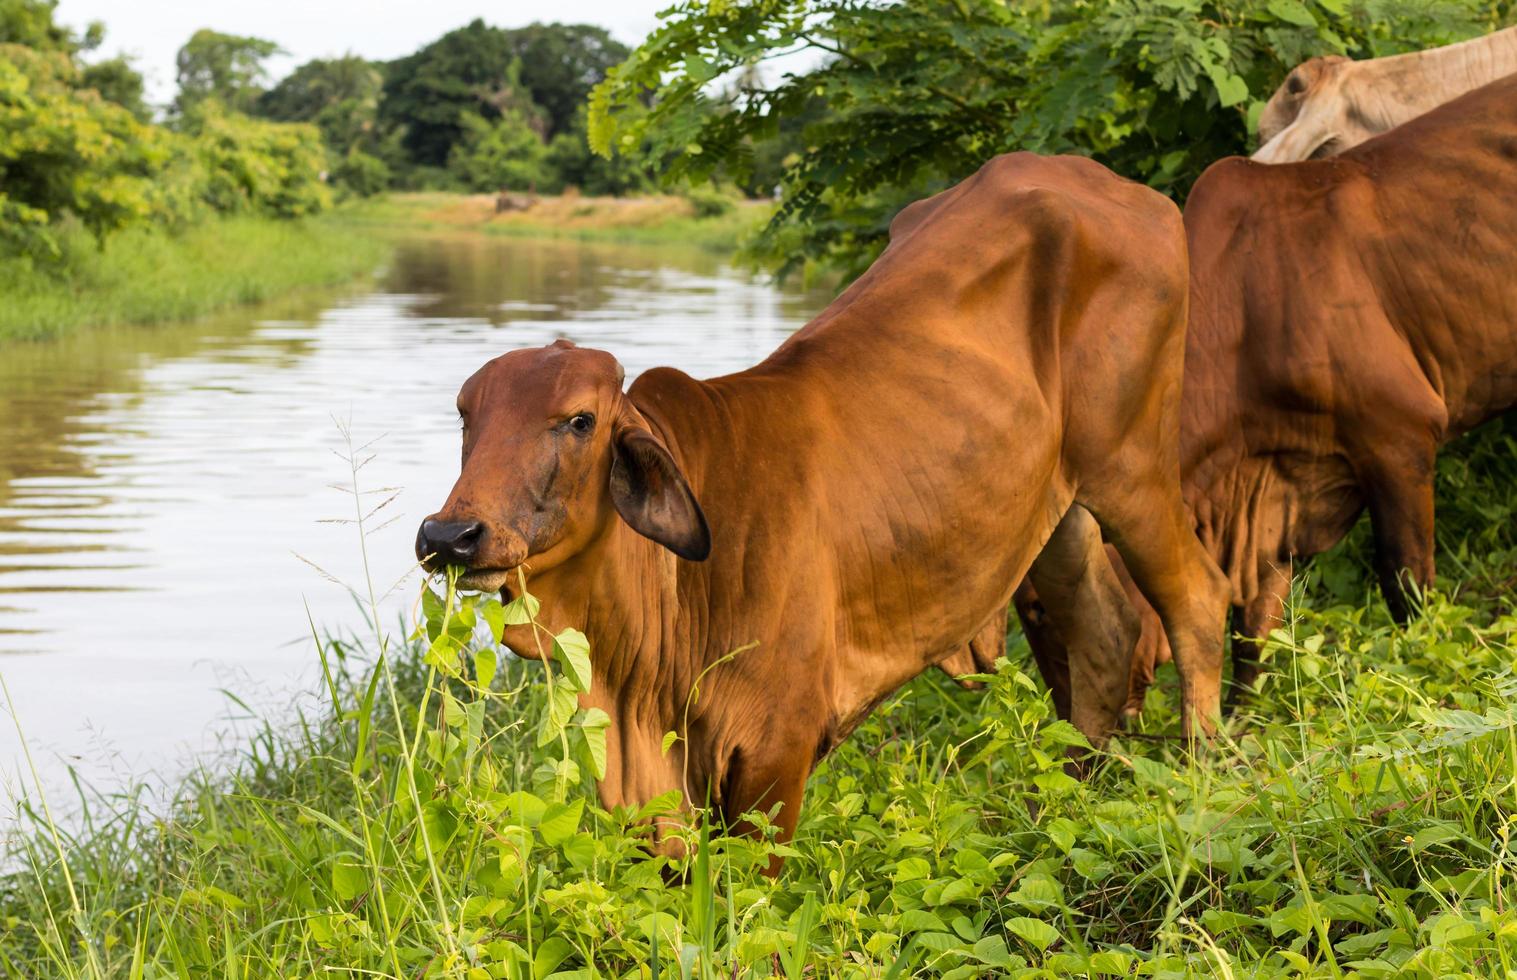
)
(858, 506)
(1348, 317)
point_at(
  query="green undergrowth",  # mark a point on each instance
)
(438, 820)
(150, 274)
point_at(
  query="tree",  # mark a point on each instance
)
(505, 152)
(30, 23)
(339, 95)
(472, 70)
(67, 151)
(919, 93)
(253, 165)
(574, 165)
(117, 81)
(560, 64)
(225, 67)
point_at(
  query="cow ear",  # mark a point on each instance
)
(652, 496)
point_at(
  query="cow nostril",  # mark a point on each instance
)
(470, 533)
(449, 542)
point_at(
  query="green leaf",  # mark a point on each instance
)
(992, 951)
(452, 711)
(521, 610)
(571, 649)
(667, 802)
(669, 739)
(1292, 12)
(561, 708)
(441, 821)
(550, 953)
(912, 869)
(579, 851)
(494, 615)
(594, 725)
(485, 663)
(1231, 88)
(1034, 932)
(349, 880)
(560, 821)
(1439, 833)
(920, 920)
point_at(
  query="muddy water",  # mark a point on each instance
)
(168, 514)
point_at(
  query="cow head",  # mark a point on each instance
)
(553, 452)
(1309, 115)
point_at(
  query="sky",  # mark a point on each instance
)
(151, 31)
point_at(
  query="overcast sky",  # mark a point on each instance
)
(152, 31)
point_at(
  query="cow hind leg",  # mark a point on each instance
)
(1148, 523)
(1085, 603)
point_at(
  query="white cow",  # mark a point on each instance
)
(1327, 105)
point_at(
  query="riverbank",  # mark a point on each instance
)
(149, 275)
(707, 220)
(437, 820)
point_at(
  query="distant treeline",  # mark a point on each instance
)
(479, 109)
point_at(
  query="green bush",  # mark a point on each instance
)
(919, 93)
(506, 153)
(66, 151)
(68, 154)
(360, 174)
(251, 165)
(707, 201)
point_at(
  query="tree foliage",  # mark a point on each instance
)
(340, 96)
(506, 153)
(67, 150)
(225, 67)
(919, 93)
(470, 71)
(540, 76)
(560, 64)
(77, 149)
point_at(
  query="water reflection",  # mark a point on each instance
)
(163, 491)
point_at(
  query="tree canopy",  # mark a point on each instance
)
(919, 93)
(225, 67)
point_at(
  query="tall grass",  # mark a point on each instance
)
(437, 821)
(147, 275)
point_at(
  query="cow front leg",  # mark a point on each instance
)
(760, 780)
(1399, 491)
(1048, 650)
(1264, 611)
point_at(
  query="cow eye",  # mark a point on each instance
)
(582, 424)
(1295, 85)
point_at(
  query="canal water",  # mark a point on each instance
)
(175, 501)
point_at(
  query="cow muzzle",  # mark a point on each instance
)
(465, 544)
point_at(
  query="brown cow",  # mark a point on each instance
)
(860, 504)
(1348, 317)
(1328, 105)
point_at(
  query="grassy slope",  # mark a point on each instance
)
(147, 275)
(1360, 825)
(654, 219)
